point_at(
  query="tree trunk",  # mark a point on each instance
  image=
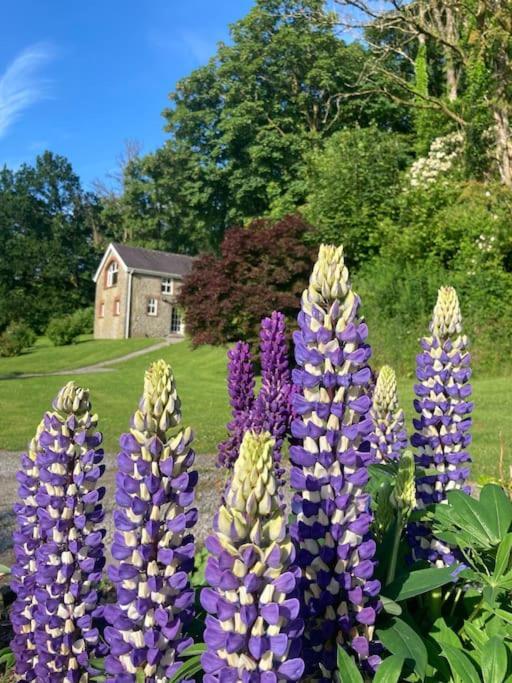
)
(503, 144)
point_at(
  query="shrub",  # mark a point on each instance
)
(65, 329)
(261, 268)
(84, 318)
(17, 337)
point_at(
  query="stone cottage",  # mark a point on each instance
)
(136, 293)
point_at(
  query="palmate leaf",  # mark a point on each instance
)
(498, 510)
(400, 639)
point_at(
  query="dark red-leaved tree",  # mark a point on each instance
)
(261, 268)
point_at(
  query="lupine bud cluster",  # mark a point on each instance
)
(59, 545)
(241, 398)
(152, 544)
(442, 428)
(403, 496)
(253, 629)
(388, 437)
(330, 470)
(270, 410)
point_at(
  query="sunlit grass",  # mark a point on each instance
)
(201, 379)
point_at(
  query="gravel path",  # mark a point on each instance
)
(208, 493)
(104, 366)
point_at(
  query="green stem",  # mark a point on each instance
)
(396, 545)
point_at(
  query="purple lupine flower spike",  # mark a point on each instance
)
(26, 540)
(330, 471)
(241, 395)
(68, 554)
(271, 412)
(442, 428)
(153, 544)
(388, 438)
(253, 631)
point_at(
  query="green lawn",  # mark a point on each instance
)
(45, 357)
(200, 376)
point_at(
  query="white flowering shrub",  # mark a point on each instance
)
(443, 156)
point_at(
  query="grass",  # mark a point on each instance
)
(200, 375)
(201, 380)
(44, 357)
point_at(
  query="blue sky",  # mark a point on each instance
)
(81, 77)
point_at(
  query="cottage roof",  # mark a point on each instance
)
(149, 260)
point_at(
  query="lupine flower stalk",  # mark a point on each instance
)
(241, 398)
(270, 410)
(59, 545)
(252, 628)
(442, 428)
(26, 540)
(330, 471)
(388, 437)
(153, 544)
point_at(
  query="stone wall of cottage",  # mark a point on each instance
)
(108, 325)
(142, 324)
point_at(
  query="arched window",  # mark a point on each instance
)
(112, 274)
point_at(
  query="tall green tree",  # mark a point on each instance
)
(46, 231)
(241, 126)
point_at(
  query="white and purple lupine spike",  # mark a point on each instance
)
(153, 544)
(443, 427)
(271, 411)
(330, 470)
(241, 398)
(253, 629)
(26, 540)
(388, 438)
(69, 556)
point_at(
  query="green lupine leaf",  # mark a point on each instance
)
(462, 667)
(494, 660)
(400, 639)
(347, 668)
(498, 509)
(390, 606)
(194, 650)
(97, 663)
(418, 582)
(503, 614)
(444, 635)
(190, 668)
(390, 669)
(476, 635)
(4, 569)
(503, 556)
(472, 517)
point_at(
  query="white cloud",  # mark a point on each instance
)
(21, 84)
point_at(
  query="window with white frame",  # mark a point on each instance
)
(175, 320)
(167, 285)
(112, 274)
(117, 307)
(152, 306)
